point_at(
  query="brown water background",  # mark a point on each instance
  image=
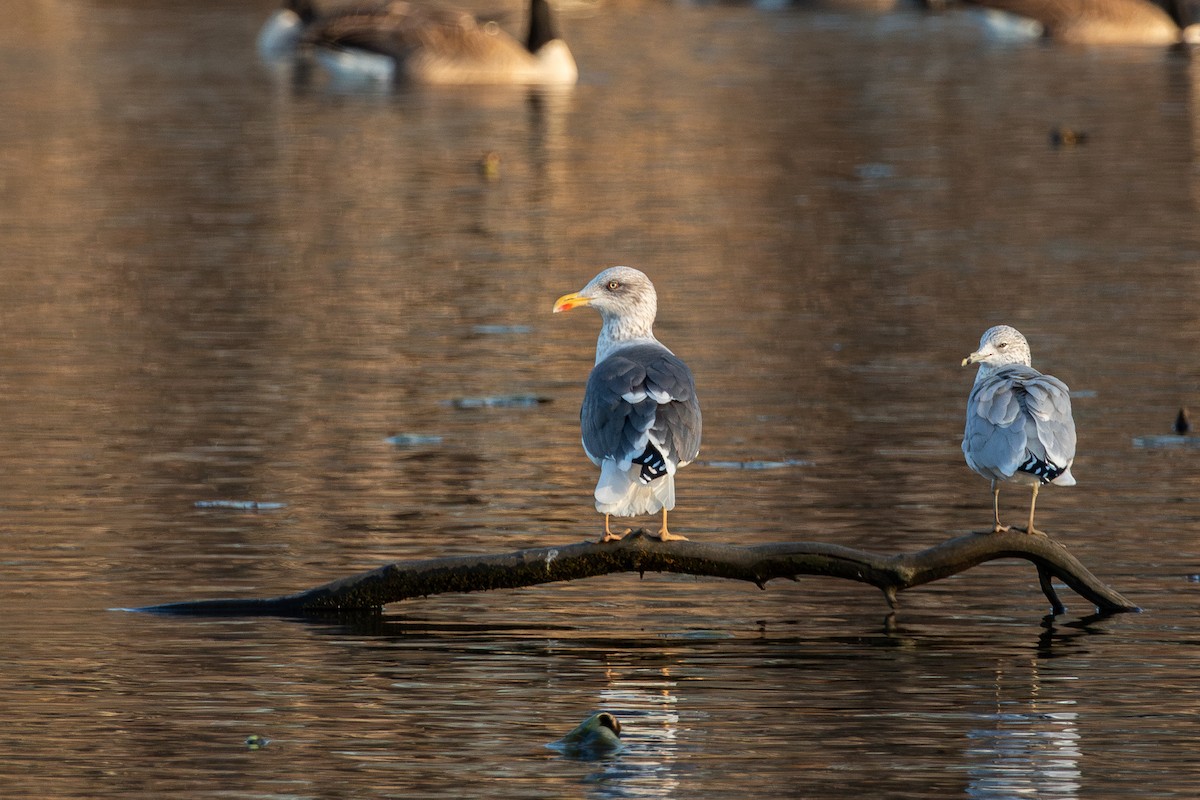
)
(220, 284)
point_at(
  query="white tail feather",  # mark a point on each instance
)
(620, 492)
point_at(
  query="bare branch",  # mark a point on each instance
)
(405, 580)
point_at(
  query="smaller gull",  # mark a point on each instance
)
(640, 416)
(1019, 426)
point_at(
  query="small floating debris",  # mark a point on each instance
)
(501, 330)
(791, 462)
(413, 439)
(239, 505)
(1193, 578)
(1082, 394)
(1067, 137)
(874, 171)
(1179, 439)
(256, 742)
(1170, 441)
(489, 165)
(699, 636)
(499, 401)
(597, 736)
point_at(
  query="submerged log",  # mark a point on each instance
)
(637, 552)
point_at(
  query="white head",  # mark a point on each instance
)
(626, 300)
(998, 347)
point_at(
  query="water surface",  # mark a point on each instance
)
(227, 286)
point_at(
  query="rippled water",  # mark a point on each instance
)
(225, 287)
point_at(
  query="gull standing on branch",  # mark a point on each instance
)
(1019, 426)
(640, 416)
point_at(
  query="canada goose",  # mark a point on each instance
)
(398, 39)
(1100, 22)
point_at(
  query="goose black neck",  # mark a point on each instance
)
(541, 25)
(302, 9)
(1186, 12)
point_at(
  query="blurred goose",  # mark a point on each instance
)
(1019, 424)
(1099, 22)
(280, 34)
(398, 39)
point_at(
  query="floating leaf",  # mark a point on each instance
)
(874, 171)
(413, 439)
(501, 330)
(699, 636)
(240, 505)
(791, 462)
(499, 401)
(1170, 441)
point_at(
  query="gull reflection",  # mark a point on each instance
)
(1030, 746)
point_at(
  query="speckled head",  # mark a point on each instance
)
(1000, 346)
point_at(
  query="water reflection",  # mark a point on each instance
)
(1031, 744)
(647, 701)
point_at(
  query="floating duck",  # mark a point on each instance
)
(596, 736)
(1067, 137)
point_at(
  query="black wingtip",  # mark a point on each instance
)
(653, 464)
(1043, 470)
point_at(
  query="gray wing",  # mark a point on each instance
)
(1048, 403)
(1016, 413)
(638, 395)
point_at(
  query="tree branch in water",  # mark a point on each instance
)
(405, 580)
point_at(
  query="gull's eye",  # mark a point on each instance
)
(614, 285)
(1002, 345)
